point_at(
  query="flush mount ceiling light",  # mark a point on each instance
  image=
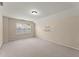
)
(35, 12)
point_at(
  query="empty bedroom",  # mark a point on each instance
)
(39, 29)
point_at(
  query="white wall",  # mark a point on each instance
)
(1, 27)
(9, 28)
(64, 28)
(5, 29)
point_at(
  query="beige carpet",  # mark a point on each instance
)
(34, 47)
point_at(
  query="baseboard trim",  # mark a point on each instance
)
(65, 45)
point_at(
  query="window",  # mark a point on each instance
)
(23, 28)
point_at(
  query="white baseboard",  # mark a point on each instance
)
(62, 44)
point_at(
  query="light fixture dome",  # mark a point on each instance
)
(35, 12)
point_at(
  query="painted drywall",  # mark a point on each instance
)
(64, 28)
(5, 29)
(10, 29)
(1, 27)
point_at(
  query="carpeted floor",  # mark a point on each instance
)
(34, 47)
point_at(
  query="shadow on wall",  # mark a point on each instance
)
(10, 29)
(63, 28)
